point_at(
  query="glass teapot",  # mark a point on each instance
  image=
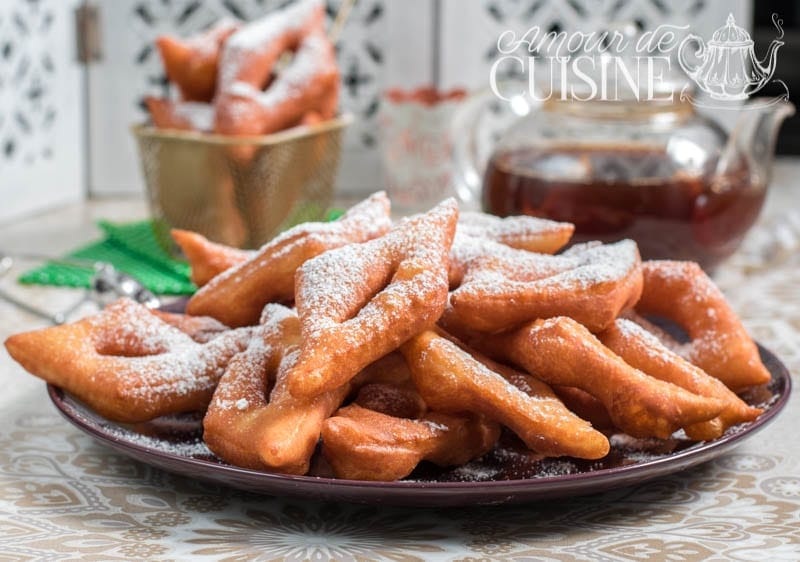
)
(657, 172)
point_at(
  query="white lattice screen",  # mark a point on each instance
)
(41, 107)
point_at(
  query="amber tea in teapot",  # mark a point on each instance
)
(625, 191)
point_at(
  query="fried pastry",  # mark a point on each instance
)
(398, 400)
(451, 380)
(361, 444)
(201, 329)
(247, 424)
(180, 115)
(591, 283)
(523, 232)
(237, 296)
(206, 258)
(480, 235)
(645, 352)
(720, 345)
(127, 364)
(254, 101)
(360, 302)
(560, 351)
(309, 83)
(250, 54)
(584, 405)
(192, 64)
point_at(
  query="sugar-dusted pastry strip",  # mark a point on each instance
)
(206, 258)
(180, 115)
(645, 352)
(523, 232)
(201, 329)
(562, 352)
(247, 424)
(591, 283)
(192, 64)
(309, 83)
(361, 444)
(451, 380)
(127, 364)
(360, 302)
(237, 296)
(720, 345)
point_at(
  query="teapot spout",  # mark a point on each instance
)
(754, 136)
(766, 66)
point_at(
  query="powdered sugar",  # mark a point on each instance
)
(294, 79)
(199, 115)
(261, 34)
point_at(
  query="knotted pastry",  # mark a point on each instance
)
(126, 363)
(451, 380)
(645, 352)
(191, 64)
(207, 259)
(559, 351)
(503, 287)
(237, 296)
(250, 426)
(720, 345)
(360, 302)
(309, 83)
(361, 444)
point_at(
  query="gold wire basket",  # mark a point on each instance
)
(239, 191)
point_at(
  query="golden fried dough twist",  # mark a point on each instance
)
(237, 296)
(645, 352)
(720, 345)
(192, 63)
(480, 235)
(524, 233)
(361, 444)
(451, 380)
(251, 100)
(504, 288)
(360, 302)
(248, 426)
(201, 329)
(127, 364)
(560, 351)
(206, 258)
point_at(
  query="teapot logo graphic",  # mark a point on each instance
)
(727, 68)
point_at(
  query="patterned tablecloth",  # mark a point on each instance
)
(62, 495)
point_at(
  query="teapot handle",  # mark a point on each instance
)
(468, 167)
(699, 53)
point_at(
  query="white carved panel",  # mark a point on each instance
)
(41, 107)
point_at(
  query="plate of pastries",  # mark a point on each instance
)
(446, 358)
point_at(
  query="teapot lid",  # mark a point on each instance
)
(731, 34)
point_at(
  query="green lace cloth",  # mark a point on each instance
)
(130, 247)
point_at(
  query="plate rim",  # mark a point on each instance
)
(675, 462)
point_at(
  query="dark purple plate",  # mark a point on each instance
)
(509, 474)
